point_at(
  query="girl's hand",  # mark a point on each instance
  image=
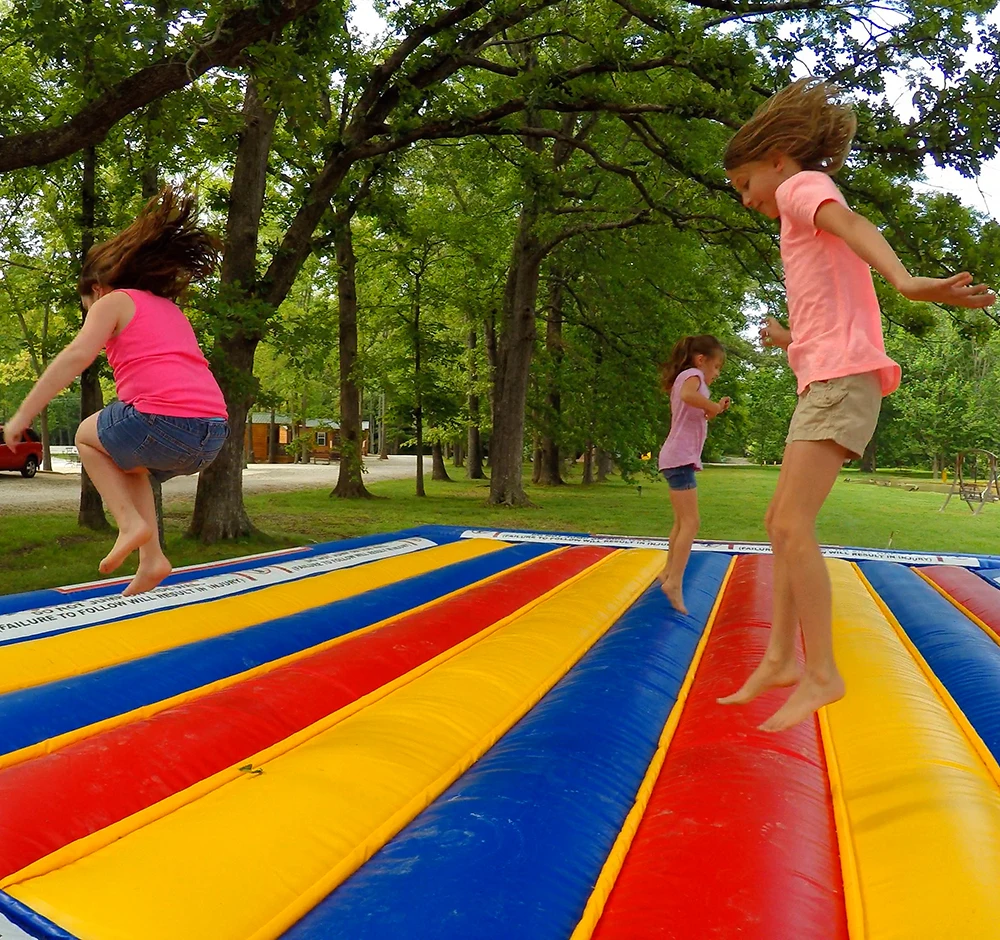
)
(957, 290)
(13, 431)
(724, 404)
(774, 334)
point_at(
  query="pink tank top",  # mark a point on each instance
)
(159, 367)
(688, 426)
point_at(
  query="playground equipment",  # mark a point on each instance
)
(465, 734)
(982, 488)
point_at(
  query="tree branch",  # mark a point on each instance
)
(92, 122)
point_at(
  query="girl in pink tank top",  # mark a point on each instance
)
(693, 366)
(170, 417)
(781, 162)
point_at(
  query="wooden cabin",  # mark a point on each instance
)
(319, 436)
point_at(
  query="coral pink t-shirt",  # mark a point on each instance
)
(158, 365)
(688, 426)
(833, 313)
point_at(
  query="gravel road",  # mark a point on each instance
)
(60, 489)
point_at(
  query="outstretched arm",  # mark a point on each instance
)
(98, 327)
(868, 243)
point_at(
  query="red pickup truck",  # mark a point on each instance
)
(28, 456)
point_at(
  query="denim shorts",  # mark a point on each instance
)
(680, 478)
(166, 447)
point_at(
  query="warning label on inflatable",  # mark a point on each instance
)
(742, 548)
(27, 623)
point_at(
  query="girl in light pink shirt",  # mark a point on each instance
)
(170, 416)
(693, 366)
(781, 162)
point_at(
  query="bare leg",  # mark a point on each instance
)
(779, 667)
(154, 566)
(686, 521)
(813, 469)
(665, 573)
(113, 484)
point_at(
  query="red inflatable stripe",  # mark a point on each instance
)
(738, 839)
(44, 806)
(971, 591)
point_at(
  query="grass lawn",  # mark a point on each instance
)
(48, 549)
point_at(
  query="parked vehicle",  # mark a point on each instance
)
(28, 456)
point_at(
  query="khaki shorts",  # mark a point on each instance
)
(844, 410)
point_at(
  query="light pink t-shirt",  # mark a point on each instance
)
(833, 312)
(158, 365)
(688, 426)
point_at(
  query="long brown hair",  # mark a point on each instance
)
(804, 121)
(162, 251)
(683, 353)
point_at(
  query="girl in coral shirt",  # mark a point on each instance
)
(781, 162)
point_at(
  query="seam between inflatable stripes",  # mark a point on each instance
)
(977, 744)
(613, 864)
(144, 712)
(95, 841)
(990, 632)
(854, 902)
(395, 823)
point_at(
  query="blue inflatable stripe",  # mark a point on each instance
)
(963, 657)
(990, 575)
(12, 603)
(515, 846)
(34, 925)
(28, 716)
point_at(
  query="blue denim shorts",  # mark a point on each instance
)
(680, 478)
(166, 447)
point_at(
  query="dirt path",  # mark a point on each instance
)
(60, 489)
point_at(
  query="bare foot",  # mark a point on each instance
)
(768, 675)
(675, 595)
(129, 539)
(810, 696)
(149, 575)
(661, 576)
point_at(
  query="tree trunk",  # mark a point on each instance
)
(272, 437)
(605, 464)
(43, 424)
(418, 411)
(536, 458)
(349, 483)
(383, 440)
(91, 514)
(439, 470)
(474, 464)
(588, 464)
(219, 512)
(459, 457)
(514, 350)
(868, 457)
(550, 465)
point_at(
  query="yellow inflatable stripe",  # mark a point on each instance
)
(69, 654)
(208, 871)
(977, 743)
(102, 837)
(616, 857)
(919, 814)
(51, 745)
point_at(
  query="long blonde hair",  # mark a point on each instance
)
(804, 121)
